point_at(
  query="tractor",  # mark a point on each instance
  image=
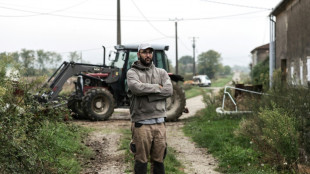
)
(99, 89)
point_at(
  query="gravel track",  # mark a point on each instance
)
(105, 141)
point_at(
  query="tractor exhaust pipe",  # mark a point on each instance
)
(103, 55)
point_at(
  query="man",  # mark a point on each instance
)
(149, 86)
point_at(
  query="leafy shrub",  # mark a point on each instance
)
(34, 137)
(260, 73)
(274, 132)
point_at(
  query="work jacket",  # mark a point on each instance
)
(148, 99)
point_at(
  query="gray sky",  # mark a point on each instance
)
(230, 27)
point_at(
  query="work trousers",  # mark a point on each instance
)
(149, 142)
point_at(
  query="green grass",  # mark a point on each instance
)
(172, 165)
(194, 91)
(235, 154)
(60, 145)
(221, 82)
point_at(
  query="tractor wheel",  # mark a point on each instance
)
(76, 107)
(98, 104)
(175, 103)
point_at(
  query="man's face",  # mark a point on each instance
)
(146, 56)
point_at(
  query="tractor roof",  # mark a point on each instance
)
(135, 47)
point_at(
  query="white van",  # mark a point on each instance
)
(202, 80)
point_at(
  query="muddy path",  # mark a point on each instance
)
(106, 135)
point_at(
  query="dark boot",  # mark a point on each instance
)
(140, 168)
(159, 168)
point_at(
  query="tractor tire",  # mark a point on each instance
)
(76, 107)
(176, 103)
(98, 104)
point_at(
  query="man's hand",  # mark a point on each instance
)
(160, 86)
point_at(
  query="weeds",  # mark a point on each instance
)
(33, 137)
(274, 139)
(234, 153)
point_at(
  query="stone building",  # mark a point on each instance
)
(292, 40)
(260, 54)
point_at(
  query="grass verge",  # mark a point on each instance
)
(61, 146)
(235, 154)
(172, 165)
(221, 82)
(193, 91)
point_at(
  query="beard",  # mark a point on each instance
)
(145, 63)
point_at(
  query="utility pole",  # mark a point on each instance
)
(176, 48)
(176, 45)
(194, 62)
(118, 22)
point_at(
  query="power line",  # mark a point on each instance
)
(226, 16)
(148, 20)
(83, 50)
(42, 13)
(185, 46)
(94, 49)
(50, 14)
(237, 5)
(79, 12)
(66, 16)
(113, 19)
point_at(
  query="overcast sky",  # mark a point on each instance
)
(230, 27)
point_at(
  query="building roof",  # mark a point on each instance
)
(280, 7)
(263, 47)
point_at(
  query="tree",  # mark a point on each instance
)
(209, 63)
(185, 65)
(28, 59)
(227, 70)
(260, 73)
(42, 59)
(15, 56)
(75, 57)
(55, 59)
(171, 68)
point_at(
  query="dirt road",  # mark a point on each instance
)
(196, 160)
(105, 140)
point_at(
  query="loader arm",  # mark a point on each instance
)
(70, 69)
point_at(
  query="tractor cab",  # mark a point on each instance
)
(124, 57)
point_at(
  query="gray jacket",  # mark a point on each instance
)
(148, 100)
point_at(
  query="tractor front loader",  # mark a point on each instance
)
(92, 97)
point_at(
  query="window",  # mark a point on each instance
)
(119, 59)
(132, 58)
(159, 58)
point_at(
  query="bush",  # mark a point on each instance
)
(280, 125)
(260, 73)
(275, 135)
(34, 137)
